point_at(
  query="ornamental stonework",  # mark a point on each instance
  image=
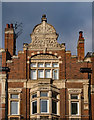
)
(43, 57)
(44, 36)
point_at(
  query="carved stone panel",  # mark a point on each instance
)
(43, 57)
(44, 36)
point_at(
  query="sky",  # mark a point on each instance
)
(68, 18)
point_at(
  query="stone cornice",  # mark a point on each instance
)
(17, 80)
(78, 80)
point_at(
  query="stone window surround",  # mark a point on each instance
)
(75, 91)
(14, 91)
(49, 98)
(45, 68)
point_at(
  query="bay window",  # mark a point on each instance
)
(44, 103)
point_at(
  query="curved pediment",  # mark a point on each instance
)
(44, 57)
(44, 36)
(41, 28)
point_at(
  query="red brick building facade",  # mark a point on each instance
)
(45, 81)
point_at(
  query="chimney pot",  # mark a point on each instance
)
(7, 26)
(11, 25)
(81, 34)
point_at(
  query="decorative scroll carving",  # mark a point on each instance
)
(44, 36)
(43, 56)
(14, 90)
(74, 90)
(47, 27)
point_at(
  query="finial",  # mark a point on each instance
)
(44, 18)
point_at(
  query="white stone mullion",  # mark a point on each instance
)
(69, 106)
(50, 102)
(38, 102)
(44, 73)
(19, 104)
(37, 73)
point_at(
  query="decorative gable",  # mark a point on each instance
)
(44, 36)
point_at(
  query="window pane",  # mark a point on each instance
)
(43, 94)
(47, 73)
(44, 105)
(33, 65)
(40, 64)
(14, 96)
(55, 74)
(74, 108)
(33, 74)
(14, 108)
(74, 96)
(34, 107)
(40, 73)
(55, 65)
(54, 107)
(47, 64)
(34, 95)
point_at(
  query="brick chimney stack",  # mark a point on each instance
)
(10, 41)
(80, 47)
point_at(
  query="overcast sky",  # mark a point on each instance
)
(68, 18)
